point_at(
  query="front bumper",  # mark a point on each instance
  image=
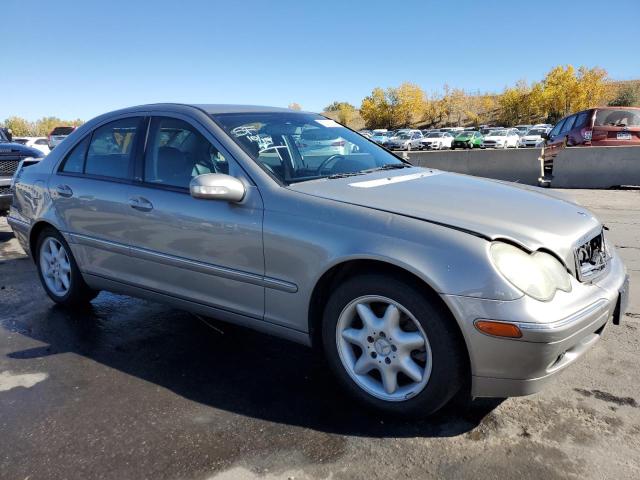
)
(555, 333)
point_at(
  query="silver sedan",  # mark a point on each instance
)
(418, 285)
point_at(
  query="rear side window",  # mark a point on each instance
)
(568, 124)
(581, 120)
(74, 162)
(111, 150)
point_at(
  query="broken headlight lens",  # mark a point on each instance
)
(538, 274)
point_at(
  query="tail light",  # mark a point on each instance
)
(587, 134)
(340, 143)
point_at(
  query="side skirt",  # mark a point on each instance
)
(101, 283)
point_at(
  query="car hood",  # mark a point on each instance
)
(529, 216)
(532, 137)
(494, 138)
(12, 148)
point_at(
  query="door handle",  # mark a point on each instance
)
(64, 191)
(141, 204)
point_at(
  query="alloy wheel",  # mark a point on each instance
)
(383, 348)
(55, 266)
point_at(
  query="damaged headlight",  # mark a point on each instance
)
(538, 274)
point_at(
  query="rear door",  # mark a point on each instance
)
(89, 192)
(205, 251)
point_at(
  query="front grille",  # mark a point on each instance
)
(5, 190)
(591, 258)
(8, 167)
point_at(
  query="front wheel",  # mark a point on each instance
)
(58, 271)
(391, 346)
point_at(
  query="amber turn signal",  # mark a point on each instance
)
(498, 329)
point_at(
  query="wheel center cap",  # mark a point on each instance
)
(382, 346)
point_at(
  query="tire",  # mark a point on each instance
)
(441, 358)
(77, 292)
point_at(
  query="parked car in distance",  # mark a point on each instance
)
(533, 138)
(316, 141)
(12, 156)
(522, 129)
(39, 143)
(408, 140)
(381, 138)
(366, 133)
(467, 139)
(437, 141)
(504, 138)
(417, 284)
(603, 127)
(57, 135)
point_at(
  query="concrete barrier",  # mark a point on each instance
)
(513, 165)
(596, 167)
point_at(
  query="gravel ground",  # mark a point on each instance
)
(132, 389)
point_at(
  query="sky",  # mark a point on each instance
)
(80, 58)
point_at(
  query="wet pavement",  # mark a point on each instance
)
(133, 389)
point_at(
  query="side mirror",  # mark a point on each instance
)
(217, 186)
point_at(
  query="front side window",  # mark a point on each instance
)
(556, 129)
(297, 147)
(178, 152)
(111, 150)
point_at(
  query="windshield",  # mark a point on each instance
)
(404, 136)
(434, 135)
(3, 137)
(618, 118)
(536, 131)
(498, 133)
(297, 147)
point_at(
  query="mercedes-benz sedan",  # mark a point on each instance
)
(417, 284)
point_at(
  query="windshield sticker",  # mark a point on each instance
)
(389, 180)
(328, 123)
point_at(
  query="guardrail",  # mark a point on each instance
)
(578, 167)
(596, 167)
(516, 165)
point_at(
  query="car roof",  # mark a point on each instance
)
(210, 108)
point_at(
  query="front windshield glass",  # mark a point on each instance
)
(498, 133)
(404, 136)
(296, 147)
(3, 137)
(434, 135)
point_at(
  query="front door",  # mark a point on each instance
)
(206, 251)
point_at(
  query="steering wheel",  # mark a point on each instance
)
(326, 162)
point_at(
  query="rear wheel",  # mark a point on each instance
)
(392, 346)
(58, 271)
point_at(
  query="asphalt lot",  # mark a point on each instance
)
(132, 389)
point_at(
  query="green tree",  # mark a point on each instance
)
(627, 96)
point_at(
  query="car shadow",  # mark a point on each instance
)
(223, 366)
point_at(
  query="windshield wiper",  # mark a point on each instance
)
(389, 166)
(343, 175)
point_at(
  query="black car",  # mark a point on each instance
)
(11, 154)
